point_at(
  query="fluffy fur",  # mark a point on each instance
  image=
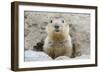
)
(58, 41)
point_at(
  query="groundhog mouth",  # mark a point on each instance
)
(57, 30)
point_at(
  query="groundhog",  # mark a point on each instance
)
(58, 41)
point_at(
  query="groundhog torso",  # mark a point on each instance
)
(58, 48)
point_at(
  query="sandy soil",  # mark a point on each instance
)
(31, 55)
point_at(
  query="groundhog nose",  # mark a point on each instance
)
(56, 26)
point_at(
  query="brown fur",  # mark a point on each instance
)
(58, 43)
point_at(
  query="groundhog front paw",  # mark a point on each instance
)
(62, 58)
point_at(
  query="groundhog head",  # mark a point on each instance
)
(57, 28)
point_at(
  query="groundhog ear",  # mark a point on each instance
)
(50, 21)
(62, 21)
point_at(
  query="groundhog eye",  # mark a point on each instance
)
(62, 21)
(50, 21)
